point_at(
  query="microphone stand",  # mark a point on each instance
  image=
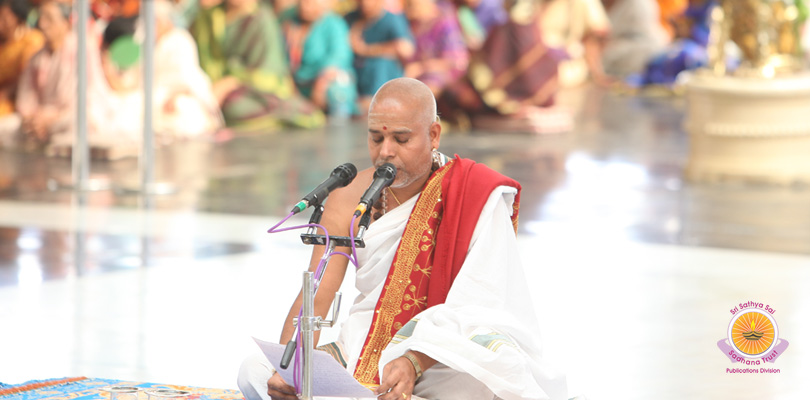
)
(308, 321)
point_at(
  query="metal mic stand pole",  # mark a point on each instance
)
(309, 322)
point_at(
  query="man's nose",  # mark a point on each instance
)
(388, 149)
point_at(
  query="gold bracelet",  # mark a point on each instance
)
(415, 362)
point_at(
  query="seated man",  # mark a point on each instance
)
(444, 310)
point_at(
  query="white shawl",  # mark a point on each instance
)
(486, 328)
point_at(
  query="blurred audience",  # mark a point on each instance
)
(441, 55)
(493, 64)
(107, 10)
(242, 51)
(580, 27)
(669, 10)
(321, 56)
(120, 54)
(184, 103)
(512, 79)
(183, 12)
(18, 43)
(381, 41)
(183, 93)
(636, 36)
(46, 97)
(687, 51)
(477, 18)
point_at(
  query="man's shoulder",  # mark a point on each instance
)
(478, 172)
(348, 197)
(469, 182)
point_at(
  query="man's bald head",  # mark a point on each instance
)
(409, 93)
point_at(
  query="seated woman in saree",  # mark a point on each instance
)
(381, 42)
(320, 56)
(18, 43)
(478, 18)
(441, 55)
(46, 97)
(184, 106)
(511, 81)
(581, 28)
(242, 51)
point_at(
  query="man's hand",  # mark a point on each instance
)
(398, 382)
(280, 390)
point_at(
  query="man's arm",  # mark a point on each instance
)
(336, 218)
(332, 279)
(337, 215)
(277, 388)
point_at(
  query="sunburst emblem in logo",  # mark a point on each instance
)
(753, 333)
(753, 337)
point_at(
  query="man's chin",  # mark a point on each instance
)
(401, 181)
(399, 185)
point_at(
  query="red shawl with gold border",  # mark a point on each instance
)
(431, 253)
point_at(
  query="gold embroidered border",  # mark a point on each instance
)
(394, 291)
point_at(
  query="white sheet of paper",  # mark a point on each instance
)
(329, 378)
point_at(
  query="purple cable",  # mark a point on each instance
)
(354, 249)
(273, 229)
(297, 368)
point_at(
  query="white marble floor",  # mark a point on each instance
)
(624, 320)
(635, 269)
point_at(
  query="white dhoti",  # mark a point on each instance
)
(484, 337)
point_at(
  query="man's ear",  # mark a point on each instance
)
(435, 133)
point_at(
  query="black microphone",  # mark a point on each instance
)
(340, 177)
(383, 177)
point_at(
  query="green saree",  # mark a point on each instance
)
(251, 49)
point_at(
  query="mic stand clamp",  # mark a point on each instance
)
(313, 238)
(310, 323)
